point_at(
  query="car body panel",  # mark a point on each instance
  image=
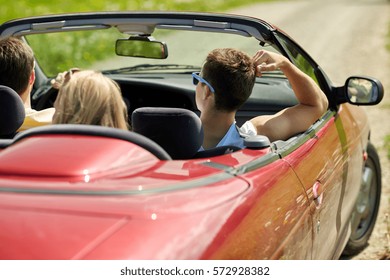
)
(82, 196)
(228, 208)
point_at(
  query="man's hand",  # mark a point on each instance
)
(268, 61)
(63, 77)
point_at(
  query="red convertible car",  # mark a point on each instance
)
(90, 192)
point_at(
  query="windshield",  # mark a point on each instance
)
(187, 50)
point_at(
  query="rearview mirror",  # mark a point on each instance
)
(141, 46)
(363, 91)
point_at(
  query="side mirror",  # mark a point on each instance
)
(363, 91)
(141, 46)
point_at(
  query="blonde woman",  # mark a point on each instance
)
(89, 97)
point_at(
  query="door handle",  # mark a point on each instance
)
(317, 194)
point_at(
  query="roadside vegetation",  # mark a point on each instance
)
(61, 56)
(26, 8)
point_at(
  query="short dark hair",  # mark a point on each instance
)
(232, 74)
(16, 63)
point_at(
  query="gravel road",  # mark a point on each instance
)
(345, 37)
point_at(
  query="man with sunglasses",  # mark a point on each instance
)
(226, 82)
(17, 72)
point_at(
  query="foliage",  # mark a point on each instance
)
(13, 10)
(85, 47)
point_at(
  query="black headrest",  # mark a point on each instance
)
(12, 112)
(178, 131)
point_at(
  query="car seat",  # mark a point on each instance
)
(12, 112)
(178, 131)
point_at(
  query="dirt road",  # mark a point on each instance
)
(345, 37)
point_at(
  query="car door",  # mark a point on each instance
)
(273, 218)
(320, 165)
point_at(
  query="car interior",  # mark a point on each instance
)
(163, 113)
(153, 96)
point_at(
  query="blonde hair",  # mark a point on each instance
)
(89, 97)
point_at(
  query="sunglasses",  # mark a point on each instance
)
(196, 79)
